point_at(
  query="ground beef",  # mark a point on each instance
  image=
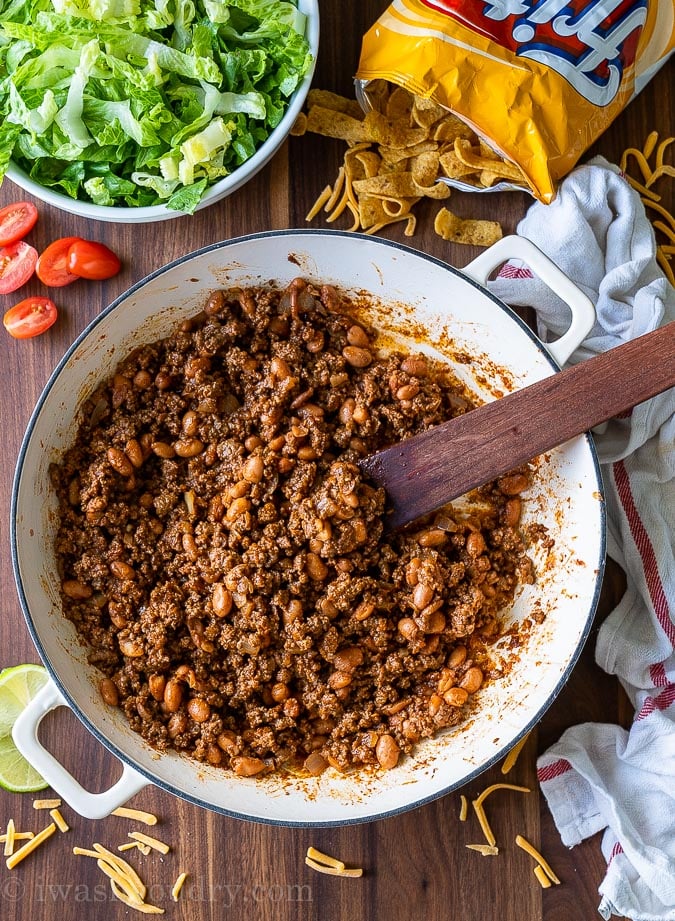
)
(225, 561)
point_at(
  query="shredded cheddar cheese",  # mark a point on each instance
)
(125, 883)
(144, 907)
(177, 886)
(543, 879)
(59, 821)
(16, 836)
(30, 846)
(324, 863)
(130, 845)
(480, 812)
(9, 838)
(325, 858)
(487, 850)
(332, 871)
(147, 818)
(154, 843)
(499, 786)
(46, 803)
(512, 756)
(464, 808)
(484, 824)
(122, 866)
(122, 881)
(533, 852)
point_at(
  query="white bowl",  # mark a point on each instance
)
(451, 312)
(219, 189)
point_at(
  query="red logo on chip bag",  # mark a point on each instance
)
(588, 42)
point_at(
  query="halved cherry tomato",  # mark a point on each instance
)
(17, 264)
(92, 260)
(30, 317)
(52, 266)
(16, 221)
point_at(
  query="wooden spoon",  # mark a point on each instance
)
(428, 470)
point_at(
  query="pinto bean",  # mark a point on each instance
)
(357, 357)
(512, 484)
(77, 590)
(387, 752)
(244, 766)
(109, 692)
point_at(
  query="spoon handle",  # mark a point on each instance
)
(424, 472)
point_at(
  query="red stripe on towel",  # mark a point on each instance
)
(646, 551)
(617, 849)
(555, 769)
(662, 702)
(511, 271)
(658, 675)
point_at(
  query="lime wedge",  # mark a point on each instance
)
(18, 686)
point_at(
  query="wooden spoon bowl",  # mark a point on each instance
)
(424, 472)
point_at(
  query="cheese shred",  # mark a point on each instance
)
(325, 858)
(500, 786)
(512, 756)
(10, 837)
(30, 846)
(543, 879)
(122, 881)
(154, 843)
(533, 852)
(46, 803)
(484, 824)
(144, 907)
(332, 871)
(16, 836)
(487, 850)
(177, 886)
(120, 864)
(125, 883)
(59, 821)
(147, 818)
(480, 812)
(464, 808)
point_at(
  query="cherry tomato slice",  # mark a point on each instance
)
(16, 221)
(30, 317)
(17, 264)
(92, 260)
(52, 266)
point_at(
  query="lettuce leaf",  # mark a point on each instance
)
(137, 102)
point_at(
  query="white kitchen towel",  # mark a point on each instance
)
(601, 776)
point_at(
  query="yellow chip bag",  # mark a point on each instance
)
(538, 80)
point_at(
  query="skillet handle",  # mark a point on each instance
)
(515, 247)
(89, 805)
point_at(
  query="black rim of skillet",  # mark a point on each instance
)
(126, 758)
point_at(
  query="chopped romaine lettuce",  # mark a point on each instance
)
(143, 102)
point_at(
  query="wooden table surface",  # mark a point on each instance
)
(416, 865)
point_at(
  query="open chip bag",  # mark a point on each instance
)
(536, 80)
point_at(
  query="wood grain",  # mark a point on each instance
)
(425, 472)
(416, 865)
